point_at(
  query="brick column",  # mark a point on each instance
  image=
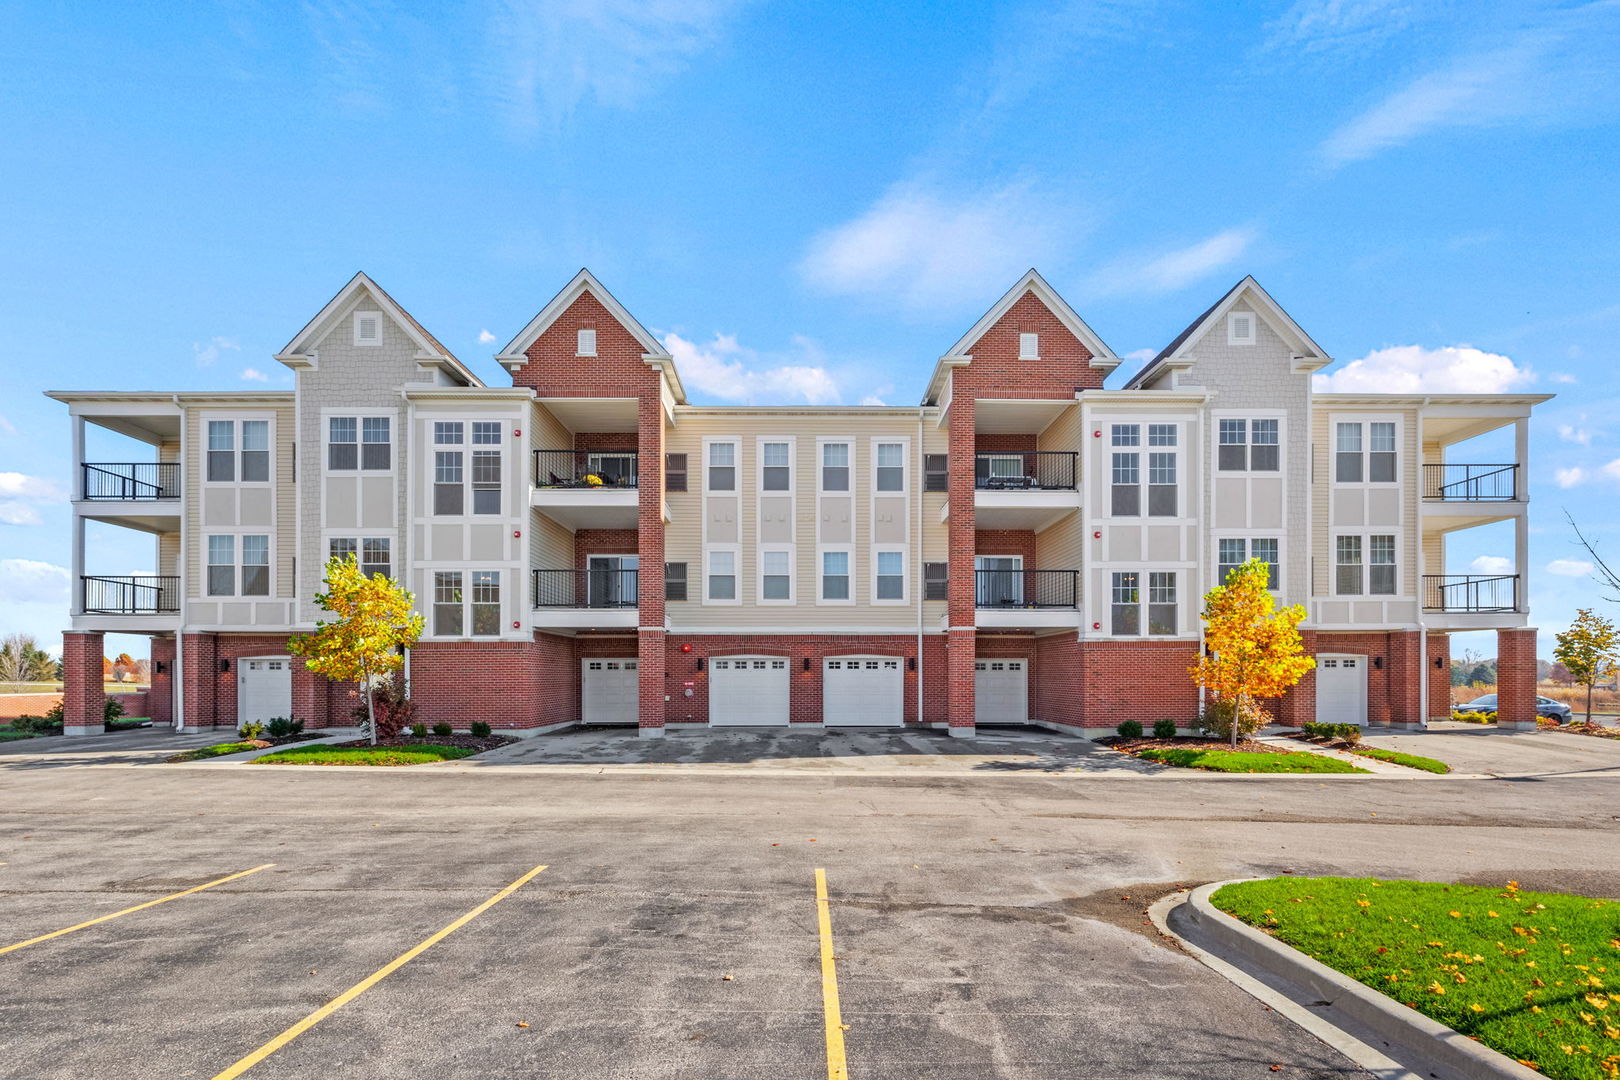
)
(83, 698)
(651, 636)
(1406, 704)
(160, 702)
(200, 660)
(1439, 676)
(1297, 707)
(309, 696)
(961, 643)
(1516, 679)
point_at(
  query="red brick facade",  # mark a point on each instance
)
(83, 699)
(1516, 678)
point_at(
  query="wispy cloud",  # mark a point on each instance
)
(1340, 25)
(208, 353)
(1569, 567)
(724, 369)
(1563, 377)
(927, 249)
(28, 581)
(1413, 369)
(1572, 434)
(1558, 71)
(1170, 270)
(21, 497)
(1491, 564)
(551, 56)
(7, 427)
(253, 374)
(1570, 477)
(485, 337)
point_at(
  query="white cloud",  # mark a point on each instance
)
(1562, 377)
(1176, 269)
(1140, 355)
(1568, 478)
(1321, 25)
(1572, 434)
(873, 399)
(22, 495)
(551, 56)
(927, 249)
(1569, 567)
(1612, 469)
(724, 369)
(7, 427)
(1413, 369)
(253, 374)
(485, 337)
(207, 355)
(1491, 564)
(28, 581)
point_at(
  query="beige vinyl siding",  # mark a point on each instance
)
(684, 534)
(1060, 547)
(548, 433)
(1063, 433)
(283, 494)
(168, 553)
(551, 545)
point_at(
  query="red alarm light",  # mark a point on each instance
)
(1096, 534)
(687, 647)
(517, 433)
(1096, 626)
(1097, 434)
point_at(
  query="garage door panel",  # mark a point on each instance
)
(610, 690)
(1341, 689)
(1000, 691)
(263, 689)
(863, 691)
(748, 691)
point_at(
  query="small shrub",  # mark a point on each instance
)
(36, 725)
(57, 713)
(418, 731)
(480, 729)
(111, 709)
(394, 708)
(251, 730)
(1218, 717)
(442, 729)
(1130, 729)
(1475, 717)
(1350, 733)
(281, 727)
(1164, 729)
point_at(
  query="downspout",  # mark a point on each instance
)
(921, 580)
(178, 676)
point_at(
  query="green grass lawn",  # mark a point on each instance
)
(217, 750)
(1533, 975)
(1395, 757)
(8, 735)
(1238, 762)
(413, 754)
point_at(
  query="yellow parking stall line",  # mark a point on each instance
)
(137, 907)
(837, 1067)
(369, 981)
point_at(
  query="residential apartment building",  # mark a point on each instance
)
(1023, 547)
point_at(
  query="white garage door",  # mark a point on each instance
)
(1341, 690)
(748, 691)
(1001, 691)
(862, 691)
(610, 691)
(263, 689)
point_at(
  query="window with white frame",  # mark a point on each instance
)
(1029, 346)
(449, 471)
(1162, 486)
(585, 343)
(248, 577)
(1125, 603)
(835, 466)
(1232, 553)
(1163, 469)
(722, 576)
(1364, 565)
(1240, 328)
(1364, 452)
(1126, 471)
(775, 466)
(368, 328)
(461, 611)
(1248, 445)
(835, 575)
(227, 462)
(1132, 607)
(775, 574)
(486, 481)
(447, 603)
(890, 571)
(722, 466)
(891, 466)
(373, 553)
(358, 442)
(486, 602)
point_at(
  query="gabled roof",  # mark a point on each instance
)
(515, 355)
(1101, 355)
(297, 351)
(1311, 355)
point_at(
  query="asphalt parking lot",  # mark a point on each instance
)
(982, 924)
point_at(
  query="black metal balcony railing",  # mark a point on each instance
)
(1470, 593)
(1026, 588)
(585, 588)
(585, 468)
(130, 481)
(1025, 470)
(1471, 483)
(140, 594)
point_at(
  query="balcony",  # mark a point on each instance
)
(141, 594)
(142, 495)
(1471, 594)
(1462, 496)
(585, 599)
(588, 489)
(1026, 599)
(1024, 489)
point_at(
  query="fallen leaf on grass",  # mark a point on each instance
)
(522, 1024)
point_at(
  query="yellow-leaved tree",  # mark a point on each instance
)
(373, 621)
(1252, 648)
(1590, 651)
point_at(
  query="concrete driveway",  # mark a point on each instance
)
(1485, 750)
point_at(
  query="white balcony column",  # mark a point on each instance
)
(76, 425)
(76, 552)
(1521, 457)
(1521, 524)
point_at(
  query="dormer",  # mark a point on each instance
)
(366, 323)
(1245, 325)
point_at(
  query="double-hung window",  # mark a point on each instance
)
(1125, 604)
(891, 466)
(222, 451)
(1364, 565)
(1364, 452)
(486, 467)
(1232, 553)
(449, 471)
(447, 604)
(835, 466)
(775, 575)
(1162, 487)
(722, 466)
(722, 576)
(1128, 599)
(250, 576)
(1163, 468)
(451, 602)
(358, 442)
(486, 602)
(891, 576)
(835, 575)
(1126, 477)
(775, 466)
(372, 552)
(1248, 445)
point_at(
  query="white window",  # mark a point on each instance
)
(447, 603)
(374, 553)
(486, 481)
(1029, 346)
(1364, 565)
(222, 566)
(486, 603)
(586, 343)
(1163, 471)
(776, 575)
(368, 328)
(451, 603)
(452, 477)
(890, 576)
(358, 442)
(835, 576)
(722, 466)
(1234, 552)
(835, 466)
(722, 576)
(449, 496)
(776, 466)
(891, 466)
(225, 463)
(250, 577)
(1240, 328)
(1127, 600)
(1248, 445)
(1364, 452)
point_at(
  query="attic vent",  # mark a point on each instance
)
(1240, 328)
(587, 343)
(367, 328)
(1029, 346)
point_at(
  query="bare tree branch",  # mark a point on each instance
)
(1607, 577)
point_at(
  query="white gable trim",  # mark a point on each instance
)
(1309, 357)
(1101, 355)
(299, 352)
(515, 355)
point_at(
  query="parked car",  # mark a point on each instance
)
(1555, 710)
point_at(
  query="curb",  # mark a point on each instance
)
(1445, 1053)
(248, 755)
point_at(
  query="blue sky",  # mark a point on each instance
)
(811, 202)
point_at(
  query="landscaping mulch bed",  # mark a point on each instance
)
(466, 742)
(1184, 742)
(1581, 727)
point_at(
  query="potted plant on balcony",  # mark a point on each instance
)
(592, 480)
